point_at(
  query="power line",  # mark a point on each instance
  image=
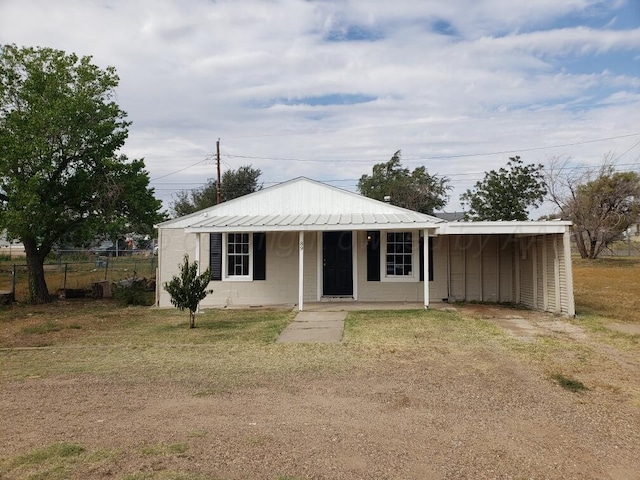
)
(178, 171)
(440, 157)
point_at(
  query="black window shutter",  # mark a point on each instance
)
(373, 256)
(430, 259)
(259, 256)
(215, 256)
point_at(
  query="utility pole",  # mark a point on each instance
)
(218, 196)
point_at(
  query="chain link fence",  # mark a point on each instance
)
(77, 274)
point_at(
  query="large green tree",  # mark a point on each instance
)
(61, 178)
(417, 190)
(506, 194)
(233, 184)
(601, 203)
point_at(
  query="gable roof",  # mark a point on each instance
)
(301, 204)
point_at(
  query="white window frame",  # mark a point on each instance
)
(415, 258)
(225, 259)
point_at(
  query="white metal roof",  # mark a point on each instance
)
(301, 204)
(505, 227)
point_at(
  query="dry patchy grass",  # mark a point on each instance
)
(608, 287)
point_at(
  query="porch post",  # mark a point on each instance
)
(197, 255)
(568, 285)
(534, 259)
(301, 271)
(426, 267)
(197, 259)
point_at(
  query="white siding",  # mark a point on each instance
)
(539, 304)
(505, 255)
(466, 268)
(527, 246)
(473, 264)
(280, 286)
(378, 291)
(551, 272)
(490, 268)
(457, 253)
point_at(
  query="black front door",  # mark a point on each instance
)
(337, 266)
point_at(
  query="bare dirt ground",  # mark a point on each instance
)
(400, 415)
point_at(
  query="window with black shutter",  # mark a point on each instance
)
(373, 256)
(238, 255)
(259, 256)
(430, 247)
(215, 256)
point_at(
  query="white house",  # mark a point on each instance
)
(304, 241)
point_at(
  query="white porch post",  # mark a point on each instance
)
(197, 259)
(566, 241)
(197, 255)
(301, 272)
(534, 259)
(426, 267)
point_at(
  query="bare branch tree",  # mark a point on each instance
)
(601, 202)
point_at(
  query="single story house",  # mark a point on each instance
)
(304, 241)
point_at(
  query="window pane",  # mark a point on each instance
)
(399, 254)
(238, 254)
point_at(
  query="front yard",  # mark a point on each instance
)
(93, 390)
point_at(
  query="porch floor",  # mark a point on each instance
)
(344, 306)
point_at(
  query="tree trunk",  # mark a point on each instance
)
(592, 250)
(192, 319)
(582, 248)
(38, 291)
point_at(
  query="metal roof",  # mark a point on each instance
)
(308, 222)
(301, 204)
(306, 205)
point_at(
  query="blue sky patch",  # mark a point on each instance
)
(620, 62)
(329, 99)
(443, 27)
(353, 33)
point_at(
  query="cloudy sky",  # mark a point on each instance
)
(328, 88)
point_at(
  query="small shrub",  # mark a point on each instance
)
(136, 294)
(569, 383)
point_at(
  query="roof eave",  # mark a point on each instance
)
(313, 228)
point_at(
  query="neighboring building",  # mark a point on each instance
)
(303, 241)
(450, 216)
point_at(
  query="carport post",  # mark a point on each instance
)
(425, 247)
(301, 272)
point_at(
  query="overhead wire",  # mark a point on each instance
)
(439, 157)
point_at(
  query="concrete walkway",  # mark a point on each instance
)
(314, 327)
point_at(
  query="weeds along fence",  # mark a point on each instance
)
(75, 272)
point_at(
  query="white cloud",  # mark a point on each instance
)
(447, 78)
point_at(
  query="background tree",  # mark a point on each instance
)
(234, 184)
(506, 194)
(601, 203)
(417, 190)
(60, 177)
(188, 288)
